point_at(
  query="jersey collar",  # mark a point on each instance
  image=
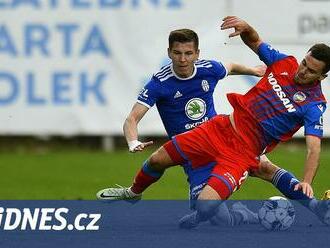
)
(192, 75)
(308, 86)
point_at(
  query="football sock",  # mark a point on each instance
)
(285, 182)
(145, 177)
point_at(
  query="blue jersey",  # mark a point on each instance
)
(278, 106)
(183, 103)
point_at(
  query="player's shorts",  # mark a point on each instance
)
(215, 141)
(197, 178)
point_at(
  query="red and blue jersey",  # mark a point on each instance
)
(276, 108)
(183, 103)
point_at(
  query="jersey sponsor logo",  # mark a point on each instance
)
(195, 109)
(177, 94)
(280, 93)
(284, 73)
(299, 96)
(205, 85)
(189, 126)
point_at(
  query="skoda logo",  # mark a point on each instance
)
(299, 96)
(195, 108)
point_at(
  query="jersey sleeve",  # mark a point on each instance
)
(219, 69)
(150, 93)
(313, 121)
(269, 55)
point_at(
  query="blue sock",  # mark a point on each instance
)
(285, 182)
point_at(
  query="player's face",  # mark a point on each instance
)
(183, 56)
(309, 70)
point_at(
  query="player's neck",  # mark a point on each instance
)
(185, 76)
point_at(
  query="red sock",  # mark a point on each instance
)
(142, 181)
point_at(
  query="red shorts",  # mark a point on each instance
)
(215, 140)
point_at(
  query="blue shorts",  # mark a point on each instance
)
(197, 178)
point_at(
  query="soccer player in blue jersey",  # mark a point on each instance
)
(193, 109)
(183, 93)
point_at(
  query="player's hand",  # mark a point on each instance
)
(306, 188)
(138, 146)
(260, 70)
(234, 22)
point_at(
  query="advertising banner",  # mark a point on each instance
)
(148, 224)
(75, 67)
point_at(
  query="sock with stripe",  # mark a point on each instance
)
(145, 177)
(285, 182)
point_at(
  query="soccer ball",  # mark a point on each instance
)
(323, 211)
(276, 214)
(326, 218)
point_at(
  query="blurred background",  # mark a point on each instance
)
(70, 72)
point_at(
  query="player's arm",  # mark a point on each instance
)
(131, 128)
(248, 34)
(251, 38)
(238, 69)
(313, 144)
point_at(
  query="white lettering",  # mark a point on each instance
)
(30, 219)
(195, 124)
(15, 215)
(280, 93)
(60, 219)
(286, 101)
(290, 108)
(77, 221)
(95, 218)
(45, 217)
(48, 219)
(319, 127)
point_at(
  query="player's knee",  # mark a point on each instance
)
(160, 160)
(266, 170)
(154, 161)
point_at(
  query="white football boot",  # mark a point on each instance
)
(119, 193)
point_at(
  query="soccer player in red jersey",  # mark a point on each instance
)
(288, 97)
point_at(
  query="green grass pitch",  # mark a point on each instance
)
(72, 175)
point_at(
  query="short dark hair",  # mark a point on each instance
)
(183, 35)
(321, 52)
